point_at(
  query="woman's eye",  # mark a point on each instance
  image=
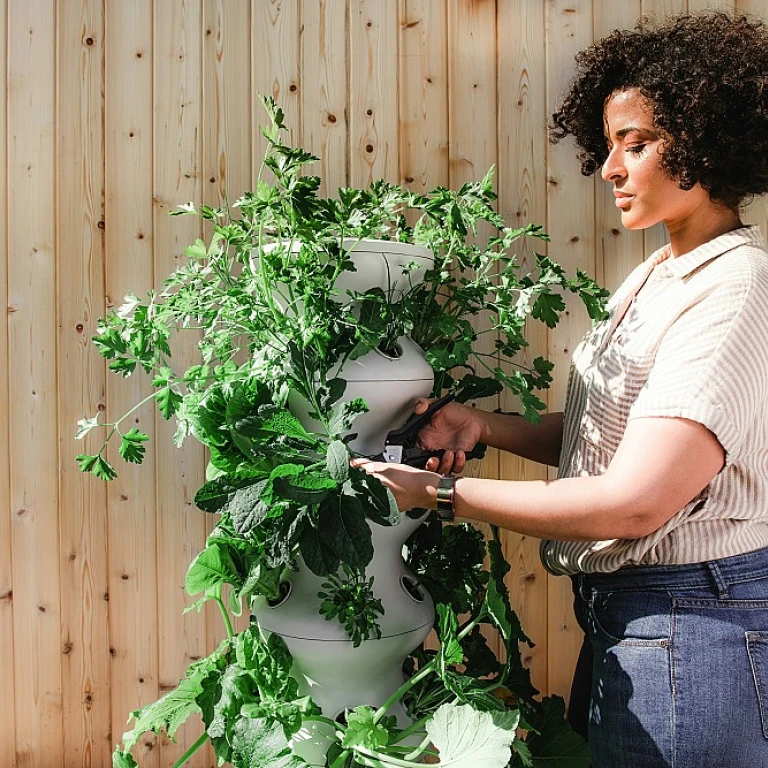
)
(636, 149)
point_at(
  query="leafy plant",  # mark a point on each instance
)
(272, 325)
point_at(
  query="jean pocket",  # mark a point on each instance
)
(757, 648)
(631, 618)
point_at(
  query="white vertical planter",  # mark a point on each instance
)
(327, 666)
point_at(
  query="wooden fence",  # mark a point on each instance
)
(117, 111)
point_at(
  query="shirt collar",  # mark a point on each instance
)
(682, 266)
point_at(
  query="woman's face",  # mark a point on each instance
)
(645, 193)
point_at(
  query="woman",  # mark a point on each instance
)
(660, 511)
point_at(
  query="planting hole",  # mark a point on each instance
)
(392, 352)
(285, 591)
(413, 589)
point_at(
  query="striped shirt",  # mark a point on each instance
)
(686, 337)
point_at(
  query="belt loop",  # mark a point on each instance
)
(717, 575)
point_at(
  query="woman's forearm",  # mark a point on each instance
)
(538, 442)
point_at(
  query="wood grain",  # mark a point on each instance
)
(571, 216)
(177, 178)
(32, 356)
(373, 103)
(7, 723)
(521, 119)
(132, 540)
(80, 290)
(325, 90)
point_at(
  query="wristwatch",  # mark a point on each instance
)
(445, 492)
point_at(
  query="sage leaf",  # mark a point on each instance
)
(555, 743)
(212, 566)
(344, 529)
(337, 459)
(467, 738)
(248, 507)
(261, 742)
(320, 558)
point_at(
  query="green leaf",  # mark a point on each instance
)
(96, 465)
(362, 731)
(337, 459)
(248, 507)
(546, 308)
(168, 401)
(317, 555)
(556, 745)
(122, 759)
(344, 529)
(305, 488)
(450, 652)
(467, 738)
(212, 566)
(131, 448)
(261, 742)
(497, 596)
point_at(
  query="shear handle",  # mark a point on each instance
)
(417, 421)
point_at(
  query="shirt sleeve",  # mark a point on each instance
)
(712, 364)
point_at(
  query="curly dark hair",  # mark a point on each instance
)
(706, 78)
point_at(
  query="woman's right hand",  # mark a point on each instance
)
(456, 429)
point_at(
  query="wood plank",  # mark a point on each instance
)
(571, 213)
(275, 67)
(226, 150)
(473, 149)
(619, 250)
(423, 64)
(132, 537)
(177, 148)
(373, 100)
(522, 200)
(325, 90)
(81, 374)
(8, 722)
(32, 356)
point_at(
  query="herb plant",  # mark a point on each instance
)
(261, 294)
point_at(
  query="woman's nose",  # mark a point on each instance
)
(612, 168)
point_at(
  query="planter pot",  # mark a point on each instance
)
(327, 666)
(379, 264)
(390, 386)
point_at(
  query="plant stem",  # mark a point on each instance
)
(403, 689)
(191, 751)
(227, 620)
(339, 761)
(419, 750)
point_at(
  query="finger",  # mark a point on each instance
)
(446, 463)
(359, 463)
(422, 404)
(459, 462)
(432, 464)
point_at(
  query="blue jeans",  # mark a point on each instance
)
(679, 664)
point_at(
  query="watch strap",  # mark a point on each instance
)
(446, 490)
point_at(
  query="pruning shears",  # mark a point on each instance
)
(401, 445)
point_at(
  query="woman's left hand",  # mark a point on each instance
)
(411, 487)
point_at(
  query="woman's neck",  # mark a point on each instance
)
(701, 226)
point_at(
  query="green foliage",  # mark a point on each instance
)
(351, 600)
(273, 330)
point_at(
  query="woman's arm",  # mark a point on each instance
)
(538, 442)
(660, 465)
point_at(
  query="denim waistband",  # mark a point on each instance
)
(718, 573)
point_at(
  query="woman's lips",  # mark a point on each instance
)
(623, 199)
